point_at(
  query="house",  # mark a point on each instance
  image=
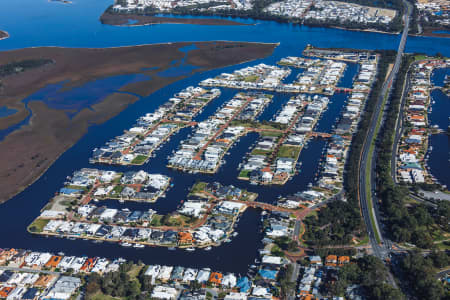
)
(64, 288)
(216, 278)
(164, 292)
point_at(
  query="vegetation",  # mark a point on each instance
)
(198, 187)
(139, 160)
(334, 225)
(38, 225)
(420, 272)
(370, 274)
(283, 279)
(289, 151)
(125, 283)
(22, 66)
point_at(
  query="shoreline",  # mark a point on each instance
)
(123, 20)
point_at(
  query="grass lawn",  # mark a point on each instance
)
(117, 190)
(139, 160)
(251, 78)
(260, 152)
(289, 151)
(156, 220)
(38, 225)
(198, 187)
(244, 174)
(268, 133)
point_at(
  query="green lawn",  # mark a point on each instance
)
(261, 152)
(139, 160)
(268, 133)
(251, 78)
(198, 187)
(38, 225)
(288, 151)
(117, 190)
(244, 174)
(156, 220)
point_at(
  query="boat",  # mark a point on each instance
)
(171, 248)
(139, 246)
(208, 248)
(125, 244)
(190, 249)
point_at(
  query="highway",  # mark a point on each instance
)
(382, 249)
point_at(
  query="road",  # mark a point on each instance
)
(380, 250)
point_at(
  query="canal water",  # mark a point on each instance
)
(45, 23)
(439, 147)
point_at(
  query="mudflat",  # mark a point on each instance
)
(29, 150)
(140, 20)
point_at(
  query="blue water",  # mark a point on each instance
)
(74, 100)
(439, 160)
(442, 31)
(6, 111)
(180, 68)
(77, 25)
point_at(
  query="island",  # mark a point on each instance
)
(40, 131)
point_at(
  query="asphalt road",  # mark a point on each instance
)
(380, 250)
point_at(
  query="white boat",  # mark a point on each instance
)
(139, 246)
(125, 244)
(190, 249)
(208, 248)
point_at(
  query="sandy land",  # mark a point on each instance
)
(29, 151)
(141, 20)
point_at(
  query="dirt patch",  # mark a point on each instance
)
(27, 152)
(141, 20)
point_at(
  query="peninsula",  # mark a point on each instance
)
(39, 132)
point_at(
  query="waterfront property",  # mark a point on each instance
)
(206, 218)
(412, 150)
(136, 145)
(205, 149)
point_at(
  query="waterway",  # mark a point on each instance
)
(439, 159)
(45, 23)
